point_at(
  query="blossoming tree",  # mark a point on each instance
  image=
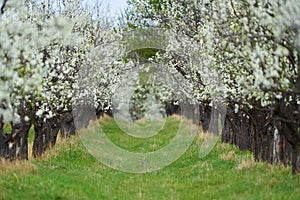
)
(246, 51)
(43, 46)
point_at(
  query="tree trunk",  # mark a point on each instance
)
(83, 114)
(45, 134)
(226, 132)
(288, 124)
(67, 126)
(204, 116)
(14, 145)
(296, 161)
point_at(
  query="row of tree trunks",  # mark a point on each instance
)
(46, 131)
(275, 139)
(288, 124)
(14, 145)
(45, 134)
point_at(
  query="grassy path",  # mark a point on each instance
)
(69, 172)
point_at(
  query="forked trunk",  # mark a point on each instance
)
(45, 135)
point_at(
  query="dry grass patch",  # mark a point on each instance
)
(21, 166)
(228, 156)
(224, 146)
(201, 133)
(177, 117)
(143, 122)
(55, 151)
(104, 118)
(245, 164)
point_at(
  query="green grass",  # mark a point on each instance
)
(68, 171)
(134, 144)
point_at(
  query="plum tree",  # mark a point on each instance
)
(43, 46)
(246, 51)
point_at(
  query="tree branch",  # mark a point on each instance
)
(3, 6)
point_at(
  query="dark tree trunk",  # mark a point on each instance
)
(288, 124)
(14, 145)
(67, 126)
(296, 161)
(285, 151)
(237, 130)
(251, 130)
(45, 134)
(2, 138)
(18, 143)
(172, 109)
(204, 116)
(82, 115)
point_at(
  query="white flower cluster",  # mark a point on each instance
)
(26, 31)
(246, 51)
(43, 45)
